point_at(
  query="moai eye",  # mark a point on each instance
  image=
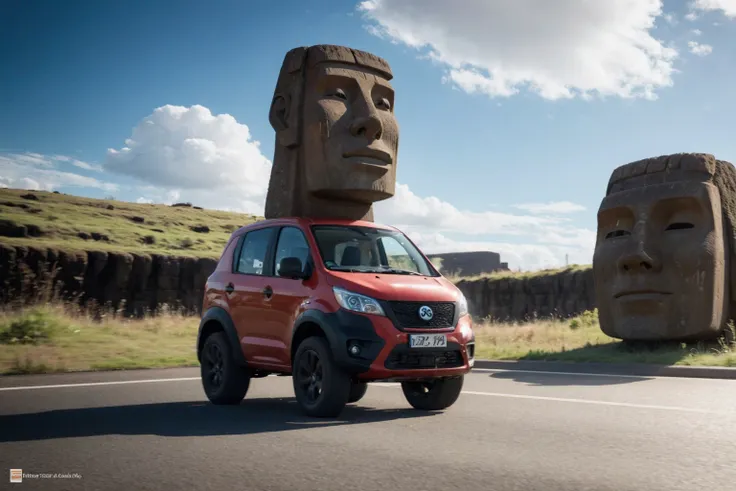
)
(617, 233)
(383, 103)
(340, 94)
(679, 226)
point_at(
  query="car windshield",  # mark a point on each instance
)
(369, 250)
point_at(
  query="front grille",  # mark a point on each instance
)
(407, 314)
(424, 359)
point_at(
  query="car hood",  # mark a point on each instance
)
(397, 287)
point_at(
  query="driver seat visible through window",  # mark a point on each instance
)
(350, 256)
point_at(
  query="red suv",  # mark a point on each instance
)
(334, 304)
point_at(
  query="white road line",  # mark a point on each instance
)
(394, 385)
(589, 401)
(91, 384)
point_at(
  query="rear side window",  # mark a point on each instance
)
(292, 243)
(253, 251)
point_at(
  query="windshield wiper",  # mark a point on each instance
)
(399, 271)
(351, 269)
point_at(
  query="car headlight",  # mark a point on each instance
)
(462, 306)
(356, 302)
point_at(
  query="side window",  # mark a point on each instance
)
(254, 250)
(397, 256)
(292, 243)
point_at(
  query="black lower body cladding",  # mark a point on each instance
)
(343, 329)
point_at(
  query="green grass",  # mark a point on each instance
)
(519, 275)
(129, 227)
(581, 340)
(76, 340)
(60, 338)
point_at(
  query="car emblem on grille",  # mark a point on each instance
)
(425, 313)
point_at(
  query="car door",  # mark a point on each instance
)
(248, 293)
(288, 294)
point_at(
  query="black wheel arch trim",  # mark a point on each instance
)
(221, 316)
(340, 327)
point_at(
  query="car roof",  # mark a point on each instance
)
(306, 222)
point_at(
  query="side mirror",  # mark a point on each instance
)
(291, 267)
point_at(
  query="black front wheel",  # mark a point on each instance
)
(357, 391)
(321, 387)
(223, 380)
(433, 395)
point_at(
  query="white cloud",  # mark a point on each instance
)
(408, 208)
(551, 207)
(77, 163)
(28, 158)
(539, 241)
(518, 256)
(700, 49)
(728, 7)
(691, 16)
(557, 49)
(670, 19)
(211, 158)
(188, 155)
(697, 32)
(36, 171)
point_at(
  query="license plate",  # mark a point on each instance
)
(428, 341)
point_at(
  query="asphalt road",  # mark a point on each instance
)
(508, 431)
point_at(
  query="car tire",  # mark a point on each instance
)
(321, 387)
(223, 380)
(434, 395)
(357, 391)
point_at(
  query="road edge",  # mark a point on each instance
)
(593, 368)
(597, 368)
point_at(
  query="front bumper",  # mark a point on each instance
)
(383, 352)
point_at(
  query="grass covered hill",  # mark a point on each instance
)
(67, 222)
(74, 223)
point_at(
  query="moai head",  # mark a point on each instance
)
(336, 134)
(663, 250)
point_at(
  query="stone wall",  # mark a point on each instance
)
(563, 294)
(140, 283)
(136, 283)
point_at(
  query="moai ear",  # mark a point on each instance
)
(278, 115)
(284, 114)
(282, 120)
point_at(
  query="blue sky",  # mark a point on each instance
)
(493, 153)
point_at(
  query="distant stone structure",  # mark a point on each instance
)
(664, 256)
(470, 263)
(336, 134)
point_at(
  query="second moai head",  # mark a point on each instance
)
(663, 257)
(336, 134)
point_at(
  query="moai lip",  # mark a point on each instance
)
(336, 134)
(664, 249)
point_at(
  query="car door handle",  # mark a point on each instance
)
(267, 292)
(230, 288)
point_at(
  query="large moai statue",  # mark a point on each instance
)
(664, 255)
(336, 134)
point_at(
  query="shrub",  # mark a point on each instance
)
(588, 318)
(33, 327)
